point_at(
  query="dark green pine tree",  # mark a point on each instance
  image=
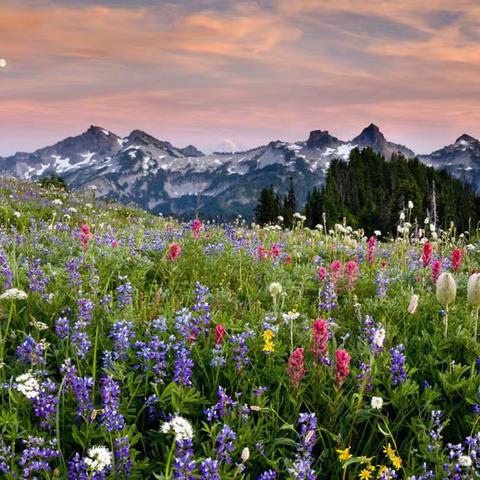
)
(289, 205)
(268, 206)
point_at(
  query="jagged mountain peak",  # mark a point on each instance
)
(321, 139)
(462, 139)
(370, 135)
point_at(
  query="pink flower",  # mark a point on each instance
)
(436, 269)
(174, 250)
(371, 249)
(275, 251)
(322, 273)
(341, 369)
(335, 270)
(85, 236)
(351, 274)
(261, 252)
(219, 333)
(115, 244)
(296, 368)
(457, 259)
(196, 227)
(319, 339)
(427, 254)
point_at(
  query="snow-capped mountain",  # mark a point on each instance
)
(461, 160)
(166, 179)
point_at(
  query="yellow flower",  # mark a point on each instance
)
(344, 455)
(390, 452)
(393, 457)
(396, 462)
(366, 473)
(267, 338)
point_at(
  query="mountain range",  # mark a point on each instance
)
(166, 179)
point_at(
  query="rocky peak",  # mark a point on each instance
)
(370, 136)
(321, 139)
(463, 139)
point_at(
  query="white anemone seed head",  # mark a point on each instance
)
(275, 289)
(446, 289)
(245, 454)
(473, 290)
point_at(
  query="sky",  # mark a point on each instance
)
(228, 75)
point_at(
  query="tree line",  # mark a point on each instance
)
(370, 192)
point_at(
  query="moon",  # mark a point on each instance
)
(3, 63)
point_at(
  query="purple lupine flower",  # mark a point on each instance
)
(184, 464)
(62, 328)
(79, 336)
(223, 408)
(5, 271)
(365, 375)
(374, 332)
(388, 474)
(201, 309)
(37, 456)
(124, 295)
(218, 356)
(5, 457)
(77, 468)
(45, 404)
(182, 367)
(382, 282)
(111, 418)
(38, 281)
(184, 325)
(31, 352)
(152, 357)
(301, 468)
(240, 349)
(122, 334)
(268, 475)
(397, 368)
(151, 407)
(72, 268)
(308, 431)
(328, 298)
(123, 463)
(225, 444)
(260, 391)
(81, 387)
(209, 469)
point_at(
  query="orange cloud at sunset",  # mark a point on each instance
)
(251, 72)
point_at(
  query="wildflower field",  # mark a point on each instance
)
(134, 346)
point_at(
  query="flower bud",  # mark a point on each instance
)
(275, 289)
(245, 454)
(446, 289)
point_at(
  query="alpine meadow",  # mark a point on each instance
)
(239, 240)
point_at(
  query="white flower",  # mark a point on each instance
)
(379, 337)
(412, 307)
(275, 289)
(473, 290)
(57, 201)
(410, 204)
(17, 214)
(377, 403)
(426, 221)
(13, 294)
(180, 426)
(446, 289)
(377, 233)
(280, 218)
(99, 458)
(28, 385)
(465, 461)
(245, 454)
(290, 316)
(432, 227)
(72, 210)
(297, 215)
(402, 216)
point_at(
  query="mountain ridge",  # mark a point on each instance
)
(164, 178)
